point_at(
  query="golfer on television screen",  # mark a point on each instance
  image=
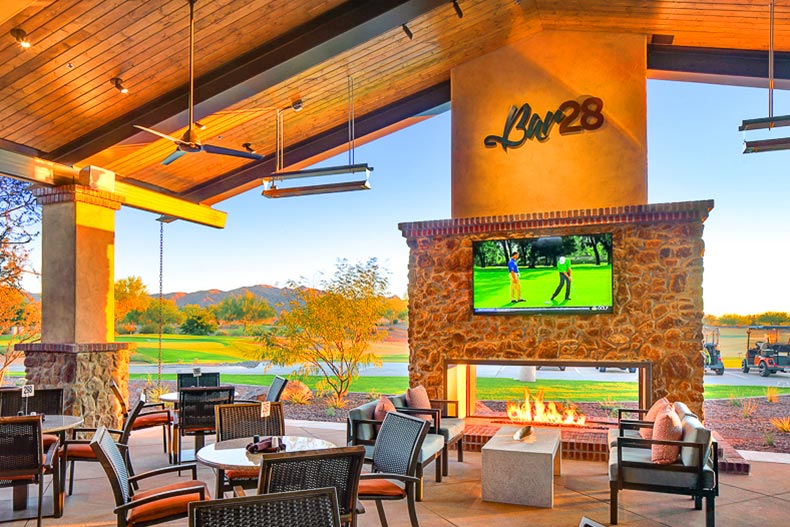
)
(564, 267)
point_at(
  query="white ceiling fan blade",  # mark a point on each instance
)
(172, 157)
(160, 134)
(211, 149)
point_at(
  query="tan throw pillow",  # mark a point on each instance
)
(382, 408)
(417, 397)
(667, 428)
(651, 415)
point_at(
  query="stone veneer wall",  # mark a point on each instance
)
(657, 273)
(84, 372)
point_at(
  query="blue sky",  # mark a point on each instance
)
(694, 153)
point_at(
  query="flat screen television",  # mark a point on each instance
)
(549, 275)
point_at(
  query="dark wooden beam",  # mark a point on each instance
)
(717, 66)
(414, 105)
(345, 27)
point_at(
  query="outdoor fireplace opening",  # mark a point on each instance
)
(547, 393)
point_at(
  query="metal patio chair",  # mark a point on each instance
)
(395, 457)
(276, 388)
(161, 416)
(244, 420)
(190, 380)
(306, 508)
(339, 468)
(152, 506)
(196, 416)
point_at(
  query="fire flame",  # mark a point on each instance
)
(540, 412)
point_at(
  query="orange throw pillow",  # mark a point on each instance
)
(382, 408)
(651, 415)
(667, 428)
(417, 397)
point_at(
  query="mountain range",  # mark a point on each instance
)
(275, 296)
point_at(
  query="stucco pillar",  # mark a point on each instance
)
(77, 351)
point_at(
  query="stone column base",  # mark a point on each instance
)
(84, 372)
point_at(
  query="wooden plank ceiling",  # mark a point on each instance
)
(57, 101)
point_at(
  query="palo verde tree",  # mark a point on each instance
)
(245, 308)
(328, 332)
(20, 316)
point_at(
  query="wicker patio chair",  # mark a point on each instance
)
(23, 460)
(189, 380)
(48, 401)
(244, 420)
(335, 467)
(196, 416)
(160, 416)
(307, 508)
(152, 506)
(395, 457)
(276, 389)
(75, 450)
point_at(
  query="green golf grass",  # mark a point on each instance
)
(492, 389)
(591, 286)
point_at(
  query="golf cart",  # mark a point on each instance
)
(630, 370)
(769, 355)
(711, 353)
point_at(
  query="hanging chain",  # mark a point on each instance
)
(161, 328)
(351, 124)
(771, 62)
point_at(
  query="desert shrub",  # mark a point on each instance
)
(782, 424)
(297, 392)
(768, 438)
(734, 401)
(749, 407)
(373, 395)
(772, 394)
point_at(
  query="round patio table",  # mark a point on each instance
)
(233, 455)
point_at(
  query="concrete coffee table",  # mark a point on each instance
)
(522, 472)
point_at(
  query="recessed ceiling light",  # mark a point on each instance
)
(118, 83)
(21, 37)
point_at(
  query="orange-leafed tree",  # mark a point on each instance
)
(131, 296)
(20, 316)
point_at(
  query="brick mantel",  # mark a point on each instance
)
(683, 211)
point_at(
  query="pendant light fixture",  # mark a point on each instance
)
(271, 184)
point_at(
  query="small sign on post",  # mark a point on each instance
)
(28, 390)
(196, 372)
(266, 409)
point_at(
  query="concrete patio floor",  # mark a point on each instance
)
(760, 499)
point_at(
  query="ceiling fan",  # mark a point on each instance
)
(190, 141)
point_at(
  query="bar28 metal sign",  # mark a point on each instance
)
(571, 116)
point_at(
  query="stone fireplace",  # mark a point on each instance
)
(657, 297)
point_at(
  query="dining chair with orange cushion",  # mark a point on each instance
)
(23, 460)
(156, 505)
(75, 450)
(242, 420)
(153, 415)
(394, 466)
